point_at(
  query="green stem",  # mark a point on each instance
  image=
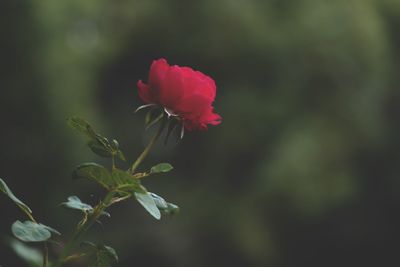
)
(46, 255)
(81, 229)
(148, 147)
(30, 216)
(113, 161)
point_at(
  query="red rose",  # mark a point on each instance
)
(183, 92)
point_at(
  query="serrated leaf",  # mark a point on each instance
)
(31, 255)
(29, 231)
(94, 172)
(147, 201)
(6, 190)
(162, 167)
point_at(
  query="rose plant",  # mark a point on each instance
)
(176, 97)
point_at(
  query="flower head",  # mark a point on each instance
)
(183, 92)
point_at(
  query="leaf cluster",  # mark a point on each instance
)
(120, 185)
(124, 183)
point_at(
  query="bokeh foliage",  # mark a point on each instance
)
(304, 169)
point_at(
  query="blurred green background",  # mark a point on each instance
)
(303, 171)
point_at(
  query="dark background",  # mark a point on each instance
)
(303, 171)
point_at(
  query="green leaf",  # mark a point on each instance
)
(160, 202)
(110, 252)
(97, 143)
(6, 190)
(115, 146)
(84, 127)
(88, 244)
(147, 201)
(164, 206)
(75, 203)
(100, 149)
(80, 125)
(31, 255)
(127, 182)
(94, 172)
(29, 231)
(105, 213)
(171, 209)
(162, 167)
(122, 177)
(101, 255)
(121, 155)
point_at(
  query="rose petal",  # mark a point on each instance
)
(193, 105)
(172, 88)
(196, 82)
(144, 92)
(206, 85)
(158, 71)
(211, 118)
